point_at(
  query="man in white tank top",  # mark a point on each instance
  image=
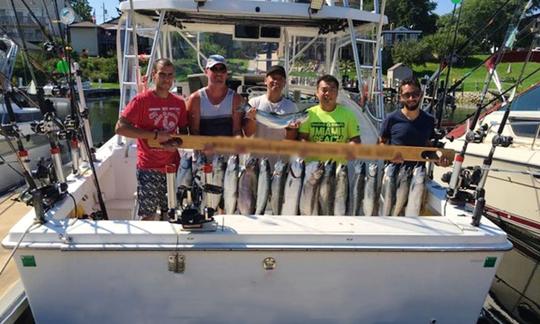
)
(213, 110)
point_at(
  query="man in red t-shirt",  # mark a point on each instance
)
(154, 114)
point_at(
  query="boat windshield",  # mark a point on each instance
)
(528, 101)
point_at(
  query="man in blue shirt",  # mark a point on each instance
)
(410, 125)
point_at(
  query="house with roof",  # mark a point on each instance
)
(100, 40)
(392, 36)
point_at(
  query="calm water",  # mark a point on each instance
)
(103, 116)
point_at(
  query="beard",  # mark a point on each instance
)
(411, 107)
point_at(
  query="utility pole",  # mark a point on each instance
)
(104, 12)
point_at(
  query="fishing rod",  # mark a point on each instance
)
(73, 122)
(470, 72)
(12, 130)
(498, 140)
(441, 103)
(469, 40)
(470, 136)
(45, 107)
(442, 65)
(500, 96)
(50, 125)
(25, 49)
(36, 20)
(47, 125)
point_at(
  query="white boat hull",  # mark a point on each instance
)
(328, 269)
(512, 195)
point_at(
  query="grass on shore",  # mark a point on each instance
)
(475, 81)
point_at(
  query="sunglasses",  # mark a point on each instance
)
(218, 68)
(411, 94)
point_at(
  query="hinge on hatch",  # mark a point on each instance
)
(177, 262)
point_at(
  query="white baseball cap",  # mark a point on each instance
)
(215, 59)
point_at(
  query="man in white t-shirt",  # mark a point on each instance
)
(272, 101)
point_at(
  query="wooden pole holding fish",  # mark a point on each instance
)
(327, 151)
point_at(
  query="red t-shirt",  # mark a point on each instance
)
(150, 112)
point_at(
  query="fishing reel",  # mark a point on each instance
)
(49, 124)
(50, 194)
(468, 180)
(52, 49)
(45, 171)
(71, 124)
(438, 134)
(504, 141)
(478, 135)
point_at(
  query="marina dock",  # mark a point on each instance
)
(12, 297)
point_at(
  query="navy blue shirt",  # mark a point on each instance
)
(398, 130)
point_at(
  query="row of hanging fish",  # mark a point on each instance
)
(300, 188)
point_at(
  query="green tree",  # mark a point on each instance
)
(409, 52)
(415, 14)
(82, 8)
(476, 14)
(439, 45)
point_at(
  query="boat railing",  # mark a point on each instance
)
(535, 137)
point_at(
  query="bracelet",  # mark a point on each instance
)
(156, 134)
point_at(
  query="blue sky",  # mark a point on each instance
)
(110, 6)
(443, 6)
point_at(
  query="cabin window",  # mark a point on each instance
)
(527, 101)
(246, 31)
(526, 127)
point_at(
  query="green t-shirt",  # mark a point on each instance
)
(338, 126)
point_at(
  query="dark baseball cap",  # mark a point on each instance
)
(276, 69)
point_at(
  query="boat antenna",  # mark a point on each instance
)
(470, 136)
(498, 140)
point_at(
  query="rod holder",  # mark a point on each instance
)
(75, 154)
(57, 162)
(170, 171)
(23, 155)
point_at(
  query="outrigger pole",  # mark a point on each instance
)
(498, 140)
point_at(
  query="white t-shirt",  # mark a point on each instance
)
(284, 106)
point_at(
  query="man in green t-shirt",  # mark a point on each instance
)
(328, 121)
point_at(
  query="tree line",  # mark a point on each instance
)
(473, 37)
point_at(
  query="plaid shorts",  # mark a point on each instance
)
(151, 192)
